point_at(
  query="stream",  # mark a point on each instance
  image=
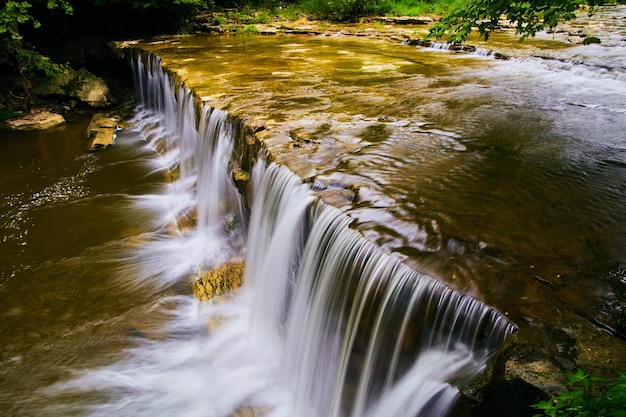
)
(495, 185)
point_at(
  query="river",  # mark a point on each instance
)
(493, 176)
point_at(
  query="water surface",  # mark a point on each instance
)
(492, 175)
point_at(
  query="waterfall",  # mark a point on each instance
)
(364, 335)
(326, 324)
(199, 149)
(218, 198)
(440, 46)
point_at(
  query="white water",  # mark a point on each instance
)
(326, 324)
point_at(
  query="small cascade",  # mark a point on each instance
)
(364, 335)
(440, 46)
(159, 114)
(199, 149)
(156, 92)
(187, 136)
(219, 201)
(277, 230)
(201, 198)
(484, 52)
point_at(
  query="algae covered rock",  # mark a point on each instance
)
(215, 284)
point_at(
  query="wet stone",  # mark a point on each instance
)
(36, 121)
(217, 283)
(102, 131)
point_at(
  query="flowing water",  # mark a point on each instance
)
(485, 174)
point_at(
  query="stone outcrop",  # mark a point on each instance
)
(79, 85)
(215, 285)
(36, 121)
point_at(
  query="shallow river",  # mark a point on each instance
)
(493, 175)
(489, 174)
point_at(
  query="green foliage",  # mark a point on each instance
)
(529, 17)
(155, 4)
(250, 29)
(218, 20)
(251, 13)
(418, 7)
(14, 52)
(31, 61)
(64, 5)
(591, 39)
(12, 15)
(343, 9)
(249, 16)
(589, 397)
(6, 114)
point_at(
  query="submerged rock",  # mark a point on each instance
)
(249, 411)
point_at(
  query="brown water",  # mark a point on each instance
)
(67, 225)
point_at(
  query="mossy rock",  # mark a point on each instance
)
(217, 283)
(591, 39)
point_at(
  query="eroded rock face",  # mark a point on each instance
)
(36, 121)
(214, 285)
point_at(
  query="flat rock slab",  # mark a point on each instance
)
(36, 121)
(101, 131)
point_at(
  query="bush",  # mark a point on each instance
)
(419, 7)
(343, 9)
(589, 397)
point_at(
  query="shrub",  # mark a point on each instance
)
(589, 397)
(342, 9)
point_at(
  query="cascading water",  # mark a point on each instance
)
(326, 324)
(363, 334)
(200, 153)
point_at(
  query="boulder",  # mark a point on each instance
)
(36, 121)
(80, 85)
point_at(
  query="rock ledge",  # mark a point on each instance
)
(36, 121)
